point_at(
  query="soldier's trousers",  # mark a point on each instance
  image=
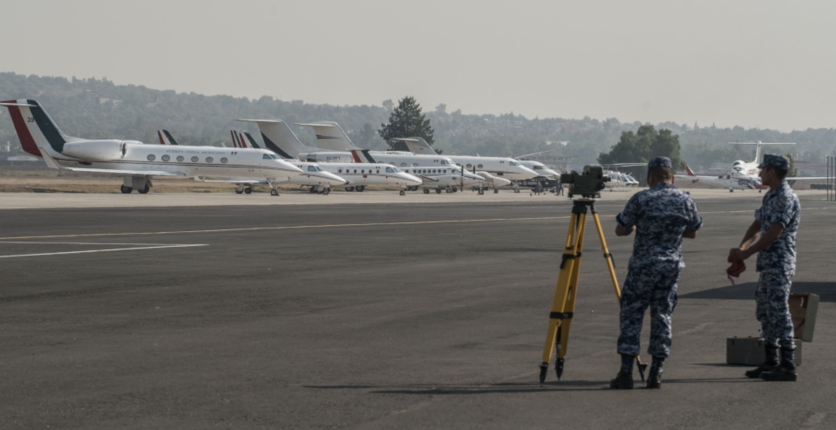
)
(773, 310)
(648, 287)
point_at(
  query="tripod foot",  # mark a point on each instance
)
(641, 367)
(544, 368)
(558, 366)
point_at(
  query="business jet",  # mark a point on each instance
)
(312, 175)
(280, 139)
(330, 136)
(137, 163)
(446, 177)
(730, 181)
(417, 145)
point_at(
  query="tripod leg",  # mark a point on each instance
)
(611, 267)
(569, 307)
(558, 309)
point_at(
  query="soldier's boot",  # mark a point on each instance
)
(654, 378)
(786, 370)
(768, 365)
(624, 379)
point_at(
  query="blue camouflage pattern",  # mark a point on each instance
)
(660, 162)
(779, 206)
(647, 287)
(772, 309)
(661, 216)
(775, 160)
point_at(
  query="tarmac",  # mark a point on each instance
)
(372, 311)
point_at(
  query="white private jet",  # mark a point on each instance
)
(330, 136)
(730, 181)
(137, 163)
(447, 177)
(280, 139)
(312, 175)
(417, 145)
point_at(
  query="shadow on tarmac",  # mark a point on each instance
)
(438, 389)
(746, 291)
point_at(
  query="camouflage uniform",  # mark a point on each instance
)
(776, 264)
(661, 215)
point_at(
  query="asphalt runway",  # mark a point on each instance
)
(374, 316)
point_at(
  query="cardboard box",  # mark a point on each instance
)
(749, 351)
(803, 309)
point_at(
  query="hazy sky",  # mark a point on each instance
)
(765, 63)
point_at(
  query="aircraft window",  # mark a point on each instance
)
(355, 170)
(180, 158)
(362, 171)
(403, 164)
(479, 166)
(166, 157)
(513, 163)
(414, 164)
(266, 157)
(469, 166)
(195, 159)
(444, 162)
(340, 170)
(151, 157)
(311, 169)
(209, 159)
(224, 160)
(389, 170)
(538, 168)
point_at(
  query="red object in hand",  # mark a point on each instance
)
(736, 268)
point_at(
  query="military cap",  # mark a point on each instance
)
(775, 160)
(660, 162)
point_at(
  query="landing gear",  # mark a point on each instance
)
(403, 193)
(426, 191)
(496, 190)
(126, 190)
(248, 190)
(145, 189)
(239, 191)
(360, 188)
(274, 192)
(140, 183)
(349, 189)
(313, 189)
(412, 188)
(731, 190)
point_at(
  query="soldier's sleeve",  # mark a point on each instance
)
(781, 210)
(695, 223)
(628, 217)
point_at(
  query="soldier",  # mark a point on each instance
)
(661, 217)
(774, 229)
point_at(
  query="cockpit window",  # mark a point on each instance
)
(266, 157)
(513, 163)
(311, 168)
(390, 170)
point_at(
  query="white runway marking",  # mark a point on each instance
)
(89, 251)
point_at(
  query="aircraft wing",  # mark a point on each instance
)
(426, 178)
(807, 178)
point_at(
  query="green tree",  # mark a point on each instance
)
(642, 146)
(406, 121)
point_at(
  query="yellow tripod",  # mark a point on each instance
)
(563, 306)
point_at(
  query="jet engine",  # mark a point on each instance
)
(96, 150)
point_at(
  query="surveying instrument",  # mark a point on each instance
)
(588, 185)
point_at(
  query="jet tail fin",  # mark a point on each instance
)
(279, 138)
(330, 136)
(417, 145)
(166, 138)
(362, 156)
(688, 170)
(35, 128)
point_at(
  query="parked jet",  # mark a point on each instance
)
(730, 181)
(277, 135)
(418, 145)
(136, 162)
(446, 177)
(330, 136)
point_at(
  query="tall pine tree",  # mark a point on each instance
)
(406, 121)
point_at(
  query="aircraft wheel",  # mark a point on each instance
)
(126, 190)
(249, 190)
(144, 190)
(438, 190)
(313, 190)
(414, 188)
(496, 191)
(360, 188)
(273, 193)
(426, 191)
(516, 190)
(731, 190)
(403, 193)
(327, 191)
(349, 188)
(237, 191)
(455, 189)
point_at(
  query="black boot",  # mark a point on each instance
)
(786, 370)
(624, 379)
(770, 364)
(654, 378)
